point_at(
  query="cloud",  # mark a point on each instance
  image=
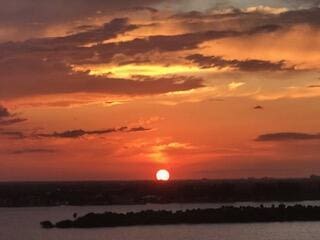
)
(27, 19)
(13, 134)
(235, 85)
(33, 150)
(12, 121)
(141, 8)
(265, 10)
(20, 11)
(67, 48)
(287, 136)
(304, 16)
(7, 118)
(314, 86)
(4, 112)
(79, 132)
(303, 3)
(70, 48)
(138, 129)
(254, 16)
(90, 35)
(179, 42)
(46, 66)
(23, 78)
(36, 16)
(249, 65)
(258, 107)
(229, 12)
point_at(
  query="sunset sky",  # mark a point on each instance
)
(98, 90)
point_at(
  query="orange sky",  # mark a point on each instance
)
(94, 91)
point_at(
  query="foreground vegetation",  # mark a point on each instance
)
(280, 213)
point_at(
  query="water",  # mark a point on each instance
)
(23, 224)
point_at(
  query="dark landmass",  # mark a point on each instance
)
(195, 216)
(141, 192)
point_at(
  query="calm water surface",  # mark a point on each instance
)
(23, 224)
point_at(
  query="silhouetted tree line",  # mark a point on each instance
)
(280, 213)
(140, 192)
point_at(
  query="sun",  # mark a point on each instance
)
(163, 175)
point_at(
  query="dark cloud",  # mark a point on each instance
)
(66, 134)
(303, 16)
(43, 12)
(89, 35)
(27, 19)
(258, 107)
(190, 15)
(44, 66)
(314, 86)
(79, 132)
(12, 121)
(33, 150)
(67, 48)
(299, 3)
(46, 11)
(265, 28)
(241, 19)
(138, 129)
(227, 15)
(169, 43)
(28, 78)
(7, 118)
(249, 65)
(140, 8)
(287, 136)
(82, 28)
(4, 112)
(13, 134)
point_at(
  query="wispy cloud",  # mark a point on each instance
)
(287, 136)
(258, 107)
(7, 118)
(33, 151)
(79, 132)
(235, 85)
(249, 65)
(13, 134)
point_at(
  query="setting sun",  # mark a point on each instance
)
(162, 175)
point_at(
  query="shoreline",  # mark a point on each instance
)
(224, 214)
